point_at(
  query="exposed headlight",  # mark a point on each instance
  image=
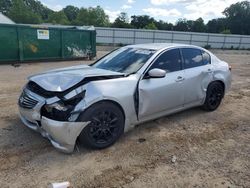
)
(66, 104)
(58, 106)
(57, 111)
(61, 110)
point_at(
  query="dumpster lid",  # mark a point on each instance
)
(47, 26)
(70, 27)
(86, 27)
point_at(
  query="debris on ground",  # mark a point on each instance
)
(7, 129)
(174, 158)
(65, 184)
(16, 65)
(140, 140)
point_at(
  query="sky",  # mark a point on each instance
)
(166, 10)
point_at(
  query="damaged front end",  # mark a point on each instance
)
(52, 101)
(52, 115)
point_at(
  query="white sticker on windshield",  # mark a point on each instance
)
(146, 52)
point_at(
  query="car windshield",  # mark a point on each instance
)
(125, 60)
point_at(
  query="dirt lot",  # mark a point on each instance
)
(212, 149)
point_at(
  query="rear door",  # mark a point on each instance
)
(157, 95)
(198, 73)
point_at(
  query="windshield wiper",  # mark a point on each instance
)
(128, 74)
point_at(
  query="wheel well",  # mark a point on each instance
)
(117, 104)
(110, 101)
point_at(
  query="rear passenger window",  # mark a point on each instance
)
(169, 61)
(206, 58)
(192, 57)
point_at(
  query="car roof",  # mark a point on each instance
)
(159, 46)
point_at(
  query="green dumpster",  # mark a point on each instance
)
(39, 42)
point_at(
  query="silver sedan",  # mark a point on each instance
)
(97, 103)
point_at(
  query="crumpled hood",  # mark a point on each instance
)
(59, 80)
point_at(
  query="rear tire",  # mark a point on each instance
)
(105, 127)
(215, 93)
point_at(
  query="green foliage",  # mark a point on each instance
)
(217, 25)
(71, 12)
(58, 18)
(161, 25)
(226, 31)
(38, 8)
(20, 13)
(92, 16)
(236, 21)
(182, 25)
(190, 25)
(122, 21)
(151, 26)
(39, 11)
(140, 22)
(198, 25)
(147, 22)
(238, 16)
(5, 6)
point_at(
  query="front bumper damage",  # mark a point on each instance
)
(61, 134)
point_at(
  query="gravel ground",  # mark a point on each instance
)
(189, 149)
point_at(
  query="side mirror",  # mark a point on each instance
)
(157, 73)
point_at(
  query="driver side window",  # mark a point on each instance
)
(169, 61)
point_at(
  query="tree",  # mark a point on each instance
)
(140, 22)
(151, 26)
(182, 25)
(236, 21)
(92, 16)
(198, 25)
(217, 25)
(238, 17)
(38, 8)
(20, 13)
(5, 6)
(71, 12)
(161, 25)
(58, 18)
(33, 6)
(226, 31)
(122, 21)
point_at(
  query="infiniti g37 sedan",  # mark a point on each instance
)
(95, 104)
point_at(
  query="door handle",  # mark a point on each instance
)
(209, 70)
(179, 79)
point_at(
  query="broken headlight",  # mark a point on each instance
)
(61, 110)
(57, 111)
(58, 106)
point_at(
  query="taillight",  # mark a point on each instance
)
(230, 67)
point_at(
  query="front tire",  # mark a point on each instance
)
(105, 127)
(215, 93)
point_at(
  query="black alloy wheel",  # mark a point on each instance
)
(215, 93)
(105, 127)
